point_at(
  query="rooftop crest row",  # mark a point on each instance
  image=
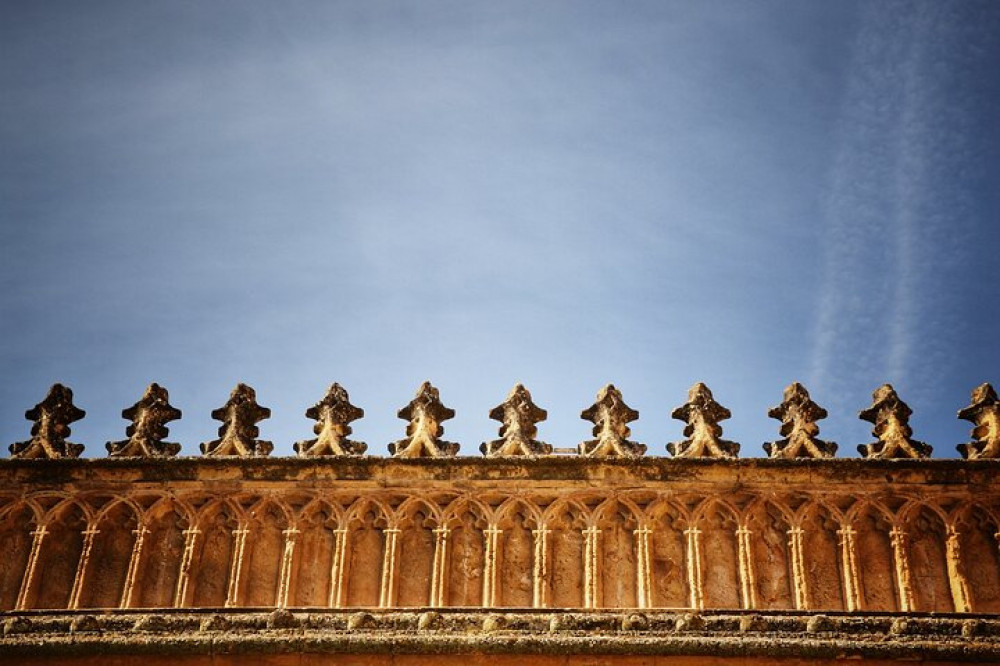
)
(519, 415)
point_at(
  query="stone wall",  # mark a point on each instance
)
(550, 532)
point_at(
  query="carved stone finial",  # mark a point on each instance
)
(332, 415)
(52, 417)
(425, 414)
(519, 414)
(891, 417)
(149, 417)
(610, 414)
(798, 415)
(238, 434)
(702, 414)
(985, 413)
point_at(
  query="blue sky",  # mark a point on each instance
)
(564, 194)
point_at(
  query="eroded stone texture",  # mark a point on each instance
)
(702, 414)
(891, 417)
(52, 418)
(984, 412)
(423, 435)
(332, 415)
(798, 415)
(610, 416)
(238, 434)
(519, 414)
(149, 417)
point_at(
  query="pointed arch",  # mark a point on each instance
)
(111, 553)
(823, 562)
(163, 545)
(872, 523)
(317, 554)
(214, 552)
(718, 524)
(416, 519)
(467, 520)
(566, 519)
(770, 529)
(979, 554)
(925, 527)
(18, 521)
(617, 518)
(366, 521)
(518, 519)
(268, 521)
(59, 554)
(669, 560)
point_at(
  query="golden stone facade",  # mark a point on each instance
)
(507, 554)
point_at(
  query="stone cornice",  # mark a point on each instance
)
(503, 473)
(973, 639)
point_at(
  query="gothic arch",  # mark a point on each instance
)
(416, 520)
(220, 524)
(54, 582)
(926, 535)
(977, 527)
(268, 521)
(718, 523)
(566, 519)
(18, 521)
(617, 519)
(318, 561)
(770, 555)
(872, 523)
(467, 520)
(107, 567)
(165, 522)
(668, 559)
(366, 521)
(822, 556)
(518, 519)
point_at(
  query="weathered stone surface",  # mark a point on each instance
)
(984, 412)
(52, 418)
(423, 434)
(610, 416)
(238, 434)
(798, 415)
(702, 414)
(332, 415)
(891, 417)
(149, 417)
(519, 414)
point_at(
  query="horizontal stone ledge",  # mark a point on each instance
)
(397, 472)
(494, 631)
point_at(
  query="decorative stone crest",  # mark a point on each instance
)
(519, 414)
(425, 414)
(149, 417)
(798, 415)
(985, 413)
(891, 417)
(52, 417)
(610, 416)
(238, 434)
(332, 415)
(702, 414)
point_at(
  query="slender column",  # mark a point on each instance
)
(540, 571)
(133, 565)
(37, 536)
(695, 585)
(798, 568)
(439, 573)
(337, 568)
(236, 569)
(285, 577)
(959, 586)
(748, 584)
(643, 596)
(848, 558)
(81, 568)
(590, 572)
(492, 536)
(387, 597)
(184, 575)
(898, 537)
